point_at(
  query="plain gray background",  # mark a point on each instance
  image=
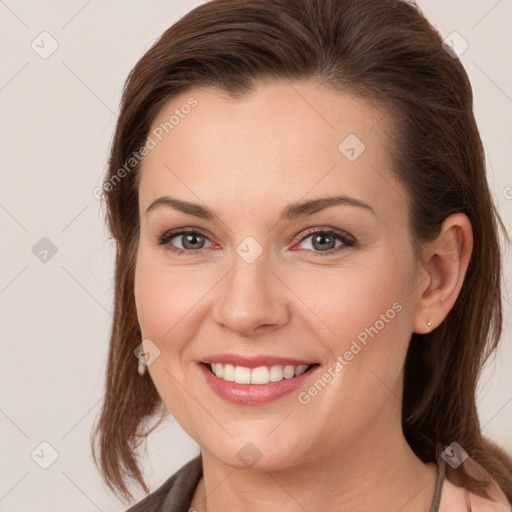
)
(57, 118)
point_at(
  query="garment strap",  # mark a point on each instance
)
(441, 475)
(441, 472)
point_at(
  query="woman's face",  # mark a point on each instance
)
(259, 278)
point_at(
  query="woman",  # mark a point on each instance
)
(308, 266)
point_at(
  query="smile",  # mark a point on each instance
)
(254, 386)
(259, 375)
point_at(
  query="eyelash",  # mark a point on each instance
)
(341, 235)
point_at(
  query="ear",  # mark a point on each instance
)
(446, 260)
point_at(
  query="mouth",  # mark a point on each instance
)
(260, 375)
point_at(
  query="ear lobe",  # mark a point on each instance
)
(447, 259)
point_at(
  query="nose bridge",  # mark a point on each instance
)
(251, 296)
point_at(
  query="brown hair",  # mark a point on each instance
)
(380, 50)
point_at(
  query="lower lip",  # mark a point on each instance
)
(253, 394)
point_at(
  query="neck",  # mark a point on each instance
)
(375, 470)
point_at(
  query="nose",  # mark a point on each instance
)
(252, 299)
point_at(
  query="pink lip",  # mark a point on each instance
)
(253, 362)
(253, 394)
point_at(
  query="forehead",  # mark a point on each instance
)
(283, 139)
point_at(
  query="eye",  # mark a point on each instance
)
(191, 241)
(323, 241)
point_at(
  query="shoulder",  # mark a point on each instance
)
(479, 504)
(175, 493)
(457, 499)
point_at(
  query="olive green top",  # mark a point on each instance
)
(176, 493)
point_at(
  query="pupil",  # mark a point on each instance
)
(323, 245)
(187, 240)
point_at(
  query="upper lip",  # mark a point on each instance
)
(253, 361)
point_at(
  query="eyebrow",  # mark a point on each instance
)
(290, 212)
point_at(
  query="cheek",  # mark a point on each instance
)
(353, 300)
(162, 296)
(170, 303)
(367, 314)
(152, 299)
(163, 299)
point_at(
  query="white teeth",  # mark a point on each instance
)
(289, 372)
(300, 369)
(276, 373)
(242, 375)
(228, 372)
(260, 375)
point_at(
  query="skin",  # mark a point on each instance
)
(247, 159)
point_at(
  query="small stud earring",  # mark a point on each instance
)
(429, 323)
(141, 368)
